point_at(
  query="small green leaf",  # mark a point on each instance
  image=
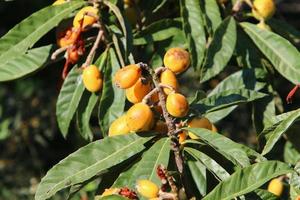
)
(290, 155)
(213, 16)
(295, 178)
(194, 30)
(146, 168)
(220, 50)
(198, 173)
(68, 99)
(278, 129)
(113, 98)
(25, 34)
(281, 53)
(248, 179)
(26, 63)
(88, 161)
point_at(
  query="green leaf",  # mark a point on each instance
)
(86, 107)
(152, 6)
(158, 31)
(275, 133)
(194, 30)
(248, 179)
(26, 63)
(226, 99)
(220, 50)
(198, 172)
(290, 155)
(113, 98)
(229, 149)
(111, 197)
(213, 16)
(281, 53)
(90, 160)
(217, 170)
(295, 178)
(260, 194)
(146, 168)
(30, 30)
(68, 99)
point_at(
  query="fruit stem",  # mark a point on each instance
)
(89, 58)
(147, 98)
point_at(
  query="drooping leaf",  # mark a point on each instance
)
(277, 130)
(68, 99)
(220, 50)
(229, 149)
(88, 161)
(113, 98)
(248, 179)
(213, 16)
(86, 108)
(25, 34)
(217, 170)
(226, 99)
(158, 31)
(193, 27)
(25, 64)
(198, 173)
(146, 168)
(291, 154)
(281, 53)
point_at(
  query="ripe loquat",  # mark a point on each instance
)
(140, 117)
(127, 76)
(119, 127)
(177, 60)
(168, 78)
(182, 137)
(83, 15)
(263, 9)
(200, 122)
(147, 188)
(110, 191)
(138, 91)
(177, 105)
(92, 78)
(275, 186)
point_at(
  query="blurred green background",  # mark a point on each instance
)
(30, 142)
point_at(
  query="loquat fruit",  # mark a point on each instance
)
(110, 191)
(200, 122)
(119, 127)
(182, 137)
(138, 91)
(147, 188)
(168, 78)
(275, 186)
(92, 78)
(82, 15)
(297, 197)
(263, 9)
(177, 60)
(127, 76)
(140, 117)
(177, 105)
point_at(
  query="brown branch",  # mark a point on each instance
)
(147, 98)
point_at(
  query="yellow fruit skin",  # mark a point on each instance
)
(127, 76)
(262, 25)
(263, 9)
(58, 2)
(177, 105)
(177, 60)
(92, 78)
(140, 118)
(87, 20)
(298, 197)
(275, 186)
(201, 122)
(110, 191)
(119, 127)
(138, 91)
(147, 188)
(161, 127)
(182, 137)
(214, 128)
(167, 77)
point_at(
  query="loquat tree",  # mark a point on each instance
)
(124, 64)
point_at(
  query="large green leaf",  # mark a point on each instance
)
(86, 107)
(229, 149)
(281, 53)
(295, 178)
(111, 197)
(248, 179)
(290, 155)
(226, 99)
(113, 98)
(194, 30)
(68, 99)
(278, 129)
(88, 161)
(158, 31)
(198, 173)
(213, 16)
(146, 168)
(30, 30)
(260, 194)
(26, 63)
(217, 170)
(220, 50)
